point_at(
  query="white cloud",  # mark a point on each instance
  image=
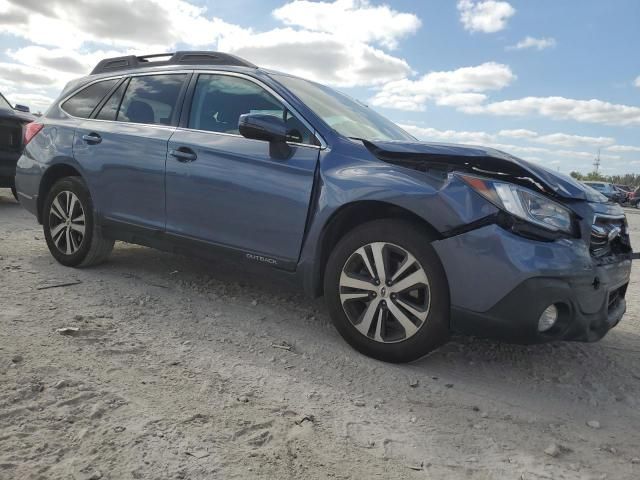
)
(637, 82)
(326, 49)
(456, 87)
(560, 108)
(518, 133)
(535, 43)
(564, 140)
(35, 101)
(559, 139)
(487, 16)
(318, 56)
(140, 23)
(568, 159)
(352, 20)
(449, 136)
(623, 148)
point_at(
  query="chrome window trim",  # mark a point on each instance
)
(182, 129)
(276, 95)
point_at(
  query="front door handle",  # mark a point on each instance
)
(183, 154)
(92, 138)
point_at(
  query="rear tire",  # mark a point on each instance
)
(72, 234)
(387, 291)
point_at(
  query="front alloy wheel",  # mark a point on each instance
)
(384, 292)
(387, 291)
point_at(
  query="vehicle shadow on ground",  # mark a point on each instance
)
(578, 371)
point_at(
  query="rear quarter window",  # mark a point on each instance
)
(85, 101)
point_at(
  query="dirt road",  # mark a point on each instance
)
(172, 375)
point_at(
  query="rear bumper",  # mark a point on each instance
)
(501, 283)
(8, 161)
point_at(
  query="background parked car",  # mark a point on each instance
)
(609, 190)
(634, 199)
(12, 120)
(625, 191)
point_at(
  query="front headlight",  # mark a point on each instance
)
(523, 203)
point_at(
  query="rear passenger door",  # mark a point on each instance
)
(123, 146)
(231, 190)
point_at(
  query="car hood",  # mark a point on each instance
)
(10, 114)
(482, 160)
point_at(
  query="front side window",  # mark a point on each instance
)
(219, 100)
(152, 99)
(343, 114)
(82, 103)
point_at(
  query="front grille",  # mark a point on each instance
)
(609, 236)
(10, 138)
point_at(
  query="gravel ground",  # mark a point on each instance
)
(172, 374)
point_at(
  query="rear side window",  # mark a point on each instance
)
(219, 100)
(152, 99)
(82, 103)
(109, 110)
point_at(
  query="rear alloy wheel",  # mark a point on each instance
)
(387, 291)
(72, 234)
(67, 222)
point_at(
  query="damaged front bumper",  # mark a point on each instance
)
(500, 283)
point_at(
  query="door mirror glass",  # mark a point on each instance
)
(261, 126)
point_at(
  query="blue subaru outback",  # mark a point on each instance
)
(204, 153)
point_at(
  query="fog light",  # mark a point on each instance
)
(548, 318)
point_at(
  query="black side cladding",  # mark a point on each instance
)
(488, 166)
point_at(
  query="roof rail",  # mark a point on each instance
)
(130, 62)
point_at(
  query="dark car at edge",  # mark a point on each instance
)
(203, 153)
(12, 123)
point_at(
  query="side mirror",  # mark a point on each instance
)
(260, 126)
(22, 108)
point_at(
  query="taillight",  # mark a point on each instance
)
(30, 131)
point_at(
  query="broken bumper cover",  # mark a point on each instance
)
(501, 283)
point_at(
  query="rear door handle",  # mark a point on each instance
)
(183, 154)
(92, 138)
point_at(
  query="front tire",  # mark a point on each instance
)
(387, 291)
(72, 234)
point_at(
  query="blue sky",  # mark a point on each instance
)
(552, 81)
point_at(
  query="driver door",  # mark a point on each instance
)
(227, 190)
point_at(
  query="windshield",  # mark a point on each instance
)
(4, 103)
(345, 115)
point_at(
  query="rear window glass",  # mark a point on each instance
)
(152, 99)
(82, 103)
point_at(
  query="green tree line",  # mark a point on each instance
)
(630, 179)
